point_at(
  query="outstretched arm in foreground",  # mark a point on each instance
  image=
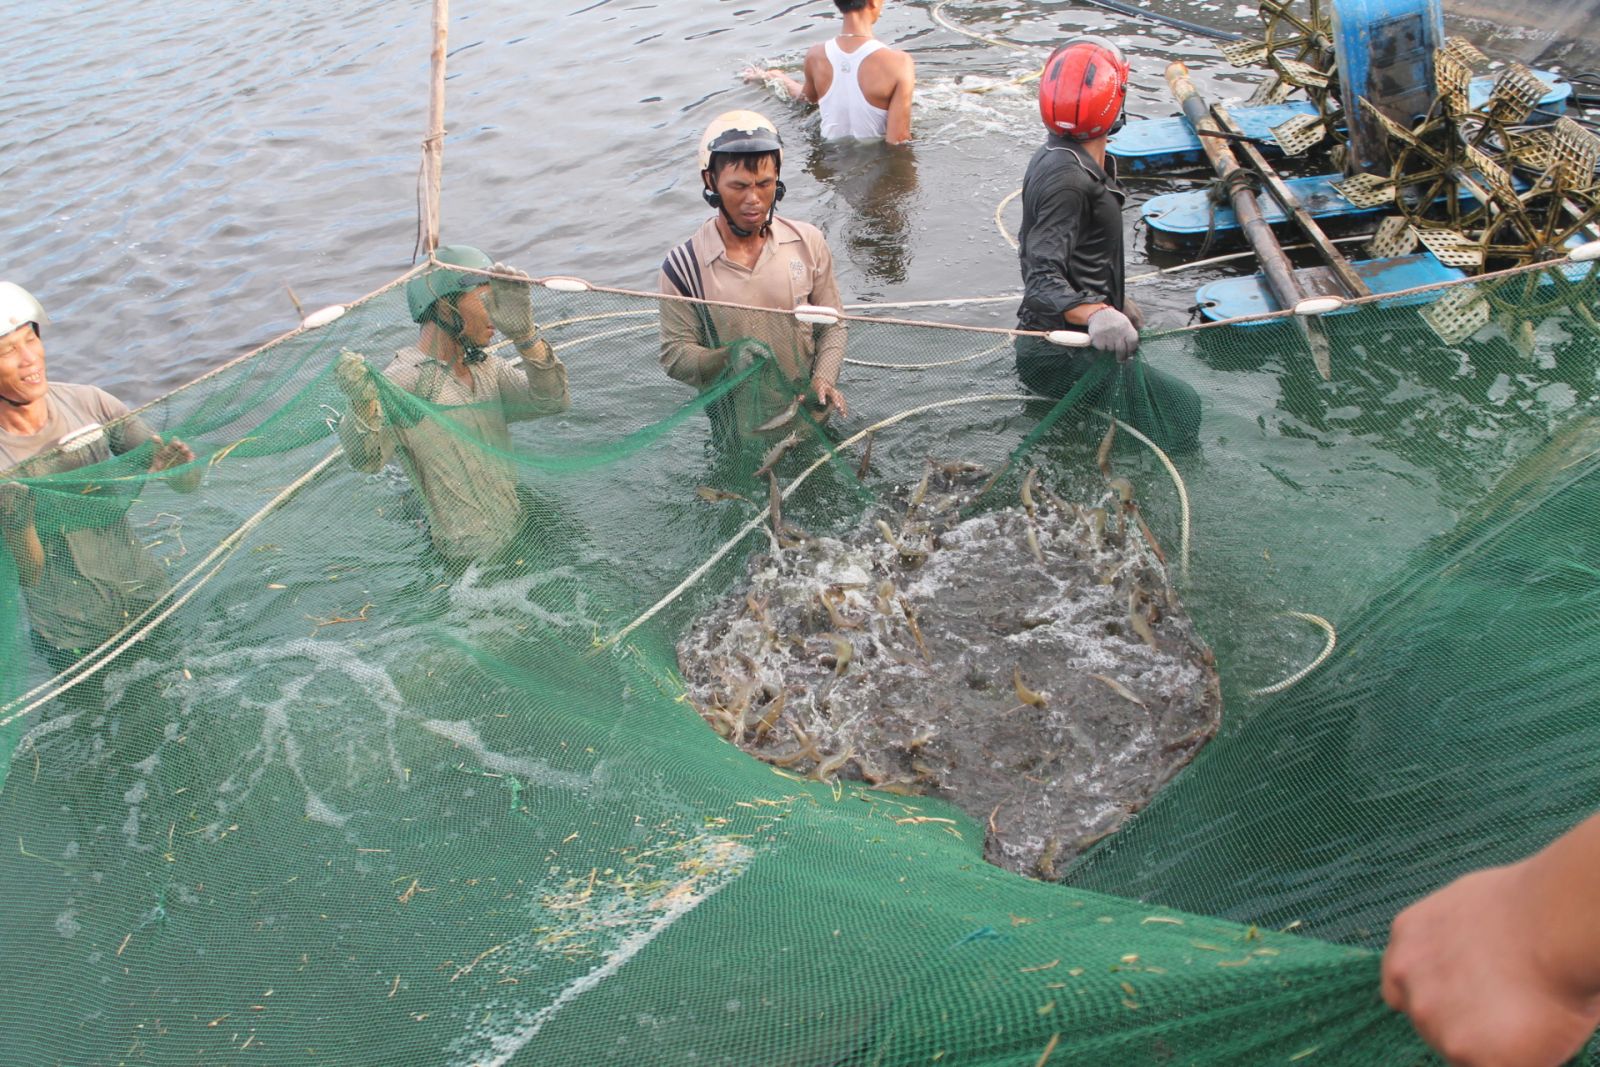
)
(1502, 966)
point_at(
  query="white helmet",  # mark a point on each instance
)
(740, 132)
(18, 307)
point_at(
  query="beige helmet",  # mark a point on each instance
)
(18, 307)
(742, 132)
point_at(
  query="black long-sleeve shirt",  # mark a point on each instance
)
(1071, 238)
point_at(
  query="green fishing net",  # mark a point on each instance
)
(330, 797)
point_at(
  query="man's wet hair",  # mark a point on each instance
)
(846, 6)
(750, 161)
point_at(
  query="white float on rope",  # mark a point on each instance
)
(816, 314)
(1318, 305)
(1586, 252)
(323, 317)
(1068, 338)
(566, 285)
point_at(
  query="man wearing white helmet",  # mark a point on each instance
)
(746, 254)
(475, 506)
(84, 576)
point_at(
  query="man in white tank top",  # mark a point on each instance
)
(862, 86)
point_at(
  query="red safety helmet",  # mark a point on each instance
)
(1082, 88)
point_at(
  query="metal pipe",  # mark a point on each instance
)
(1274, 264)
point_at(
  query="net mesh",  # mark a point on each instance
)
(329, 796)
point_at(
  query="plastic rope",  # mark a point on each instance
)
(1298, 676)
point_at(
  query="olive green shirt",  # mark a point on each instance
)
(460, 459)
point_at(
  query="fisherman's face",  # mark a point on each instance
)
(473, 306)
(22, 379)
(748, 195)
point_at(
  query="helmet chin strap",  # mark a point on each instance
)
(470, 353)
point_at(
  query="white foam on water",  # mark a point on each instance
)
(967, 106)
(290, 725)
(633, 921)
(45, 729)
(465, 734)
(509, 599)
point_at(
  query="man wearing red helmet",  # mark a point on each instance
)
(1071, 241)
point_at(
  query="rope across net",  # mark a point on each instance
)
(326, 795)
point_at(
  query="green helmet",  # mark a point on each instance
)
(424, 289)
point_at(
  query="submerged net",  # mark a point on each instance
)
(334, 798)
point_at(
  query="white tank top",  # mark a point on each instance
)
(845, 110)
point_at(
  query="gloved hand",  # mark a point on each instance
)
(354, 379)
(1110, 331)
(745, 351)
(1134, 312)
(511, 304)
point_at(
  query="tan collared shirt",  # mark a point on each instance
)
(460, 459)
(795, 267)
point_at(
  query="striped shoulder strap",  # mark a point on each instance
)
(682, 268)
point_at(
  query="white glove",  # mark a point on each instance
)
(1110, 331)
(354, 379)
(511, 304)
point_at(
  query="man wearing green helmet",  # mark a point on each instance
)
(746, 254)
(458, 460)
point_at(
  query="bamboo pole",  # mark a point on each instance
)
(433, 143)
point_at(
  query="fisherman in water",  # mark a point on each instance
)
(457, 458)
(84, 574)
(746, 254)
(1071, 248)
(862, 86)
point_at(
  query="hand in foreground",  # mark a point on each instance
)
(1464, 964)
(832, 397)
(511, 303)
(753, 73)
(169, 454)
(1111, 331)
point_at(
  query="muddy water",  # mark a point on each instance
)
(1028, 663)
(168, 172)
